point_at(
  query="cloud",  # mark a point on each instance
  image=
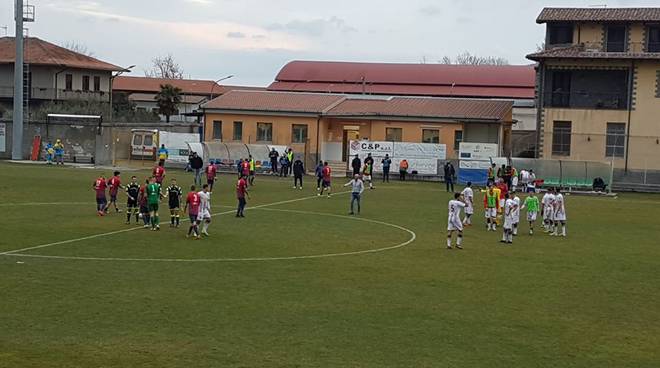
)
(200, 2)
(431, 10)
(208, 35)
(236, 35)
(313, 27)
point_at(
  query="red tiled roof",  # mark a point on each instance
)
(188, 86)
(274, 101)
(599, 15)
(421, 107)
(508, 81)
(335, 105)
(579, 52)
(40, 52)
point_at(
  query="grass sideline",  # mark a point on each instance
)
(588, 300)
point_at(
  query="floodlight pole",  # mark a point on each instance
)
(17, 127)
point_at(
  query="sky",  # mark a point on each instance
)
(253, 39)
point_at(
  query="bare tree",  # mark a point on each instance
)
(78, 47)
(164, 67)
(466, 58)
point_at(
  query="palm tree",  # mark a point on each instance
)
(168, 100)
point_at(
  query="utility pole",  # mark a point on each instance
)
(17, 127)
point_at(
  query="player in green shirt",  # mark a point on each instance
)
(532, 205)
(154, 196)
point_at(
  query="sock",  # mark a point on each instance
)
(128, 216)
(157, 220)
(177, 219)
(153, 221)
(448, 241)
(171, 219)
(563, 230)
(205, 227)
(504, 237)
(190, 229)
(459, 240)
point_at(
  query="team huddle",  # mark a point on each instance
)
(143, 200)
(501, 206)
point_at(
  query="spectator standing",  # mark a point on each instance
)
(163, 153)
(387, 162)
(59, 152)
(356, 164)
(450, 172)
(252, 170)
(284, 169)
(50, 153)
(403, 169)
(273, 156)
(491, 175)
(298, 172)
(289, 157)
(196, 164)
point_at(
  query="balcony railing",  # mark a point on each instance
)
(586, 100)
(36, 93)
(626, 47)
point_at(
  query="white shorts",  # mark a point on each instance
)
(366, 177)
(454, 224)
(516, 219)
(469, 210)
(502, 203)
(548, 213)
(490, 212)
(203, 215)
(560, 216)
(508, 222)
(531, 216)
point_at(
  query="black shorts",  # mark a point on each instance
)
(101, 200)
(210, 181)
(131, 203)
(174, 205)
(144, 208)
(193, 218)
(326, 183)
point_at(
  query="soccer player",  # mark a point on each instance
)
(241, 192)
(357, 187)
(174, 194)
(253, 167)
(367, 170)
(154, 195)
(245, 168)
(99, 186)
(454, 222)
(204, 216)
(192, 206)
(532, 205)
(115, 184)
(326, 174)
(144, 207)
(547, 203)
(159, 173)
(298, 172)
(211, 173)
(319, 175)
(559, 213)
(509, 209)
(132, 192)
(491, 206)
(516, 214)
(468, 198)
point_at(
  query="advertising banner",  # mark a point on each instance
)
(421, 157)
(477, 151)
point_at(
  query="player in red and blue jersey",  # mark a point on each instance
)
(159, 173)
(99, 187)
(114, 183)
(193, 203)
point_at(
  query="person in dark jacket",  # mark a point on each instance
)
(298, 172)
(450, 172)
(273, 155)
(319, 175)
(196, 164)
(284, 166)
(356, 164)
(386, 162)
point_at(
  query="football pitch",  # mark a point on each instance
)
(299, 283)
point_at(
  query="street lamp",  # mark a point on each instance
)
(216, 82)
(112, 78)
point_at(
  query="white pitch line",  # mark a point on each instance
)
(413, 236)
(44, 204)
(13, 252)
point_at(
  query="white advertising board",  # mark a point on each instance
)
(177, 145)
(477, 151)
(421, 157)
(3, 137)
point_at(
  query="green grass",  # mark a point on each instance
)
(589, 300)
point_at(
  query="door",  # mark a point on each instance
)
(349, 135)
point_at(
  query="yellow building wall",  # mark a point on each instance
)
(588, 33)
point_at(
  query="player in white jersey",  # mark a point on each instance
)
(509, 208)
(454, 222)
(516, 215)
(559, 214)
(547, 210)
(204, 215)
(468, 198)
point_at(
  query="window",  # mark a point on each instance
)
(561, 138)
(458, 138)
(148, 140)
(560, 34)
(299, 133)
(430, 136)
(265, 132)
(238, 130)
(394, 134)
(85, 83)
(68, 82)
(653, 38)
(561, 88)
(137, 140)
(615, 144)
(217, 129)
(616, 38)
(97, 84)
